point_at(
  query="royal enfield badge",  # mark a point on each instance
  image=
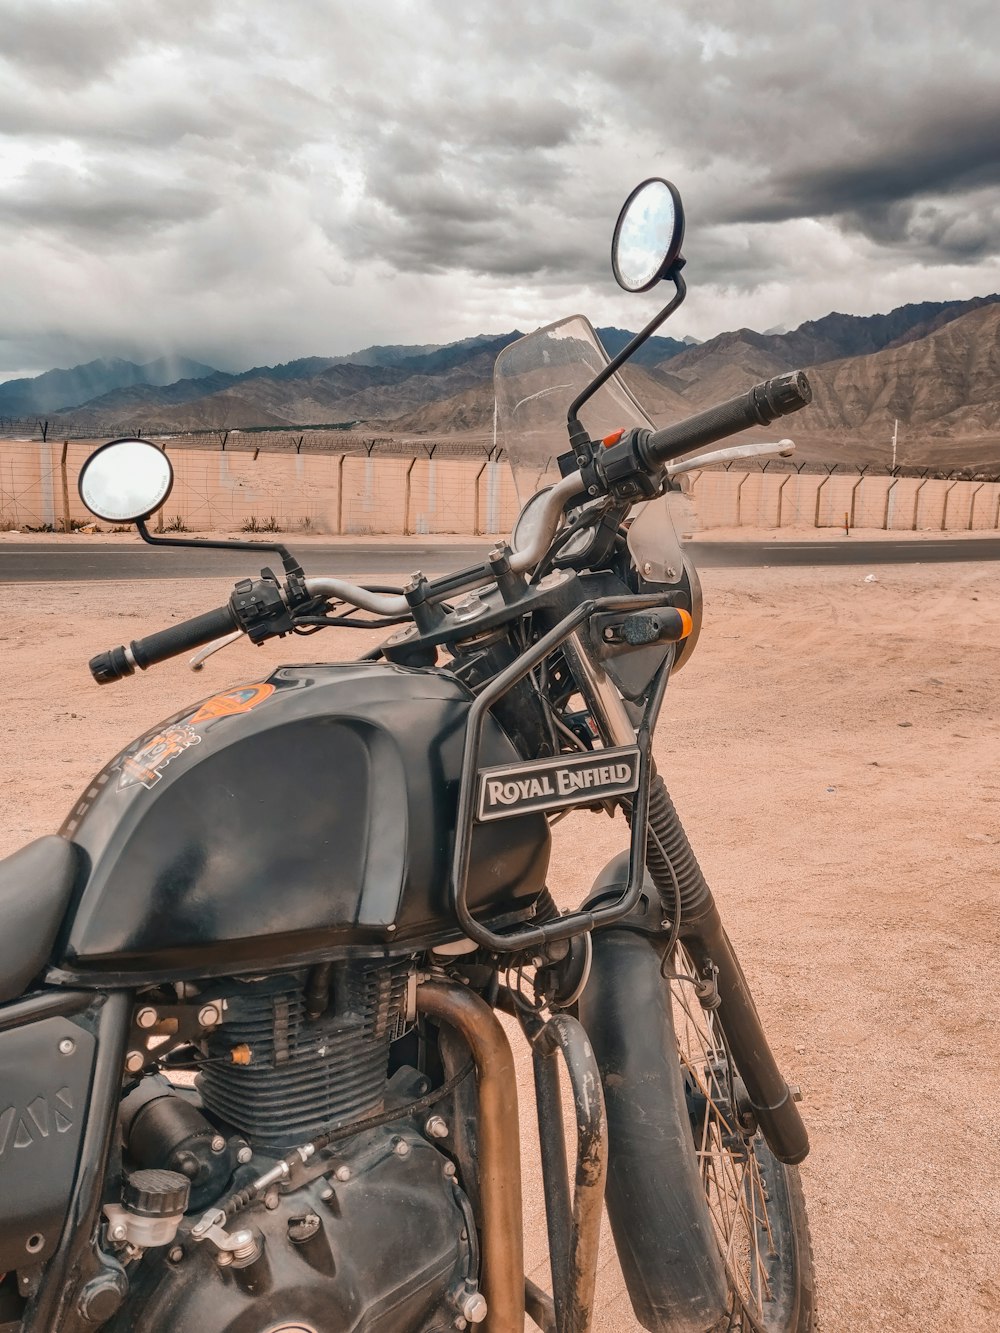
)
(551, 784)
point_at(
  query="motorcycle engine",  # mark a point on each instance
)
(371, 1233)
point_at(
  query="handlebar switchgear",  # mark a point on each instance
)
(630, 468)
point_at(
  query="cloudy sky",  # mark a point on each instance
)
(250, 182)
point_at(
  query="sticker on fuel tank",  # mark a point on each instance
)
(551, 784)
(145, 767)
(240, 700)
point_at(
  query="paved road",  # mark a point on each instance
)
(21, 562)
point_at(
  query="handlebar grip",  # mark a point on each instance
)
(117, 663)
(757, 407)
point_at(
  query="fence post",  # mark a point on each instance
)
(340, 496)
(67, 524)
(854, 490)
(406, 498)
(739, 499)
(972, 503)
(781, 491)
(916, 500)
(885, 517)
(944, 507)
(819, 492)
(493, 495)
(475, 499)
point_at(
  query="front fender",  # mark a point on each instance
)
(655, 1197)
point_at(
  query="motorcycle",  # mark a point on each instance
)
(253, 1078)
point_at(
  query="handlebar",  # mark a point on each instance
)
(650, 451)
(759, 406)
(119, 662)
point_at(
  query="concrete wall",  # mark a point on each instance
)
(352, 494)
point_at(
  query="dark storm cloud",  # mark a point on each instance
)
(961, 152)
(842, 115)
(883, 191)
(102, 206)
(462, 183)
(423, 171)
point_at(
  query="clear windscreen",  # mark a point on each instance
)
(535, 380)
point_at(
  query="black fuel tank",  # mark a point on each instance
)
(309, 813)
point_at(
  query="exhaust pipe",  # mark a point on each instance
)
(499, 1146)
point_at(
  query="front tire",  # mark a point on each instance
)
(755, 1202)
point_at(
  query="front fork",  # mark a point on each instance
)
(700, 926)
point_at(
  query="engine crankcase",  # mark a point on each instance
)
(381, 1242)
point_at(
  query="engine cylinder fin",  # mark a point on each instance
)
(302, 1076)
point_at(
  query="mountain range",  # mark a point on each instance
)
(933, 366)
(60, 389)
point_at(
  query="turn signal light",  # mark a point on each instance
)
(667, 625)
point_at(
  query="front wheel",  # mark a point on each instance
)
(755, 1202)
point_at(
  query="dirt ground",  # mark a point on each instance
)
(834, 749)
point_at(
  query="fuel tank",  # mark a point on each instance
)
(309, 814)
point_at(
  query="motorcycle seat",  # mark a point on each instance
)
(36, 883)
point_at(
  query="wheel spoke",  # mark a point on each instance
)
(727, 1162)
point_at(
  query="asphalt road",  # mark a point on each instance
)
(21, 562)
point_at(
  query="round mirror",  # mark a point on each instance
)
(648, 235)
(125, 480)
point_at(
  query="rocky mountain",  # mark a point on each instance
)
(721, 367)
(651, 353)
(60, 389)
(311, 391)
(472, 409)
(942, 386)
(724, 365)
(934, 366)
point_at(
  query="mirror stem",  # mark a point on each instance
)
(577, 434)
(291, 565)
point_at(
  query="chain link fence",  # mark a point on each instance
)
(346, 482)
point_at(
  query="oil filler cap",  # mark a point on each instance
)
(156, 1193)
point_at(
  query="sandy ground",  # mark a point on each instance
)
(834, 749)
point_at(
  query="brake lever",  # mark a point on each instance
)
(201, 656)
(778, 449)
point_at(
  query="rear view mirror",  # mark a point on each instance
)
(125, 480)
(648, 235)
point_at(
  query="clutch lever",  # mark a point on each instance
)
(201, 656)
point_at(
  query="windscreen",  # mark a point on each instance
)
(535, 380)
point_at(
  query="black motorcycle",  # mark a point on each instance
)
(252, 1079)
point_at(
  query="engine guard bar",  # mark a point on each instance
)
(574, 923)
(574, 1227)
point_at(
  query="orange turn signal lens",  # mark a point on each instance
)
(613, 438)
